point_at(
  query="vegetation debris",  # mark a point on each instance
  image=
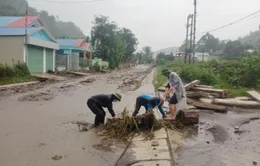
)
(126, 126)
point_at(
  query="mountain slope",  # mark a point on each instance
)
(253, 39)
(56, 27)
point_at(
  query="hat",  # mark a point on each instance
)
(117, 96)
(165, 71)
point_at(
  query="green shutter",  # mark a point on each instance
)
(35, 59)
(49, 59)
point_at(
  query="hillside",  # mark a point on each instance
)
(56, 27)
(253, 39)
(168, 50)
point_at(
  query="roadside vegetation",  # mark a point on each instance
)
(18, 73)
(237, 76)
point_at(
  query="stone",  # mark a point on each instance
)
(56, 157)
(254, 162)
(155, 143)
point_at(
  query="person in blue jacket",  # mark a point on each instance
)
(149, 102)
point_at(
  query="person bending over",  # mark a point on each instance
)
(149, 102)
(96, 104)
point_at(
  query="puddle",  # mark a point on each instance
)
(217, 144)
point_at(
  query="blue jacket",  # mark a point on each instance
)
(152, 102)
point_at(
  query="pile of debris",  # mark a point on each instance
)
(209, 98)
(126, 126)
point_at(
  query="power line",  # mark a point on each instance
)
(82, 1)
(241, 19)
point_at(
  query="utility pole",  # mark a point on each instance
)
(194, 31)
(26, 21)
(187, 36)
(191, 33)
(26, 37)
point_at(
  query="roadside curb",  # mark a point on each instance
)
(147, 152)
(18, 84)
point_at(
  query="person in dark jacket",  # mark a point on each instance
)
(96, 104)
(149, 102)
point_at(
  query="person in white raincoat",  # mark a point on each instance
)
(176, 91)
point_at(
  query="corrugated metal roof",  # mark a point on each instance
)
(84, 45)
(6, 31)
(66, 42)
(5, 20)
(21, 22)
(78, 42)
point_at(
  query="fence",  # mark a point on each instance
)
(61, 61)
(69, 62)
(84, 63)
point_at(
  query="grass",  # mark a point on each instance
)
(16, 79)
(16, 73)
(159, 78)
(233, 76)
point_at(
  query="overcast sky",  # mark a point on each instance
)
(160, 23)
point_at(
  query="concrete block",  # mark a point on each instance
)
(149, 153)
(144, 144)
(160, 134)
(153, 163)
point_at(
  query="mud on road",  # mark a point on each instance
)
(36, 122)
(223, 140)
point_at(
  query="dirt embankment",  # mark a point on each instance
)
(129, 80)
(126, 79)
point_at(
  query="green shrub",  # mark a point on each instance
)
(6, 71)
(19, 72)
(96, 67)
(21, 69)
(235, 75)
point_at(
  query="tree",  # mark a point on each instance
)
(87, 39)
(103, 35)
(208, 43)
(165, 57)
(117, 53)
(148, 54)
(234, 49)
(112, 43)
(131, 44)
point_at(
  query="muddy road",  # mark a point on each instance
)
(38, 126)
(231, 139)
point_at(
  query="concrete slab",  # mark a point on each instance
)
(160, 134)
(144, 144)
(18, 84)
(153, 163)
(139, 137)
(48, 76)
(149, 153)
(78, 73)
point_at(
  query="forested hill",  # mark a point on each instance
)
(56, 27)
(253, 38)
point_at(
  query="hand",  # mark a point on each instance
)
(166, 94)
(115, 117)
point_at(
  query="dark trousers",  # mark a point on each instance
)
(98, 111)
(139, 102)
